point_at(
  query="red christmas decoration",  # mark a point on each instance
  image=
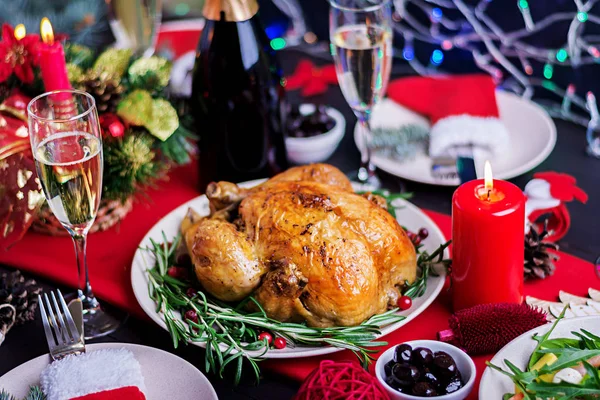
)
(112, 125)
(343, 380)
(486, 328)
(546, 195)
(21, 191)
(18, 55)
(312, 79)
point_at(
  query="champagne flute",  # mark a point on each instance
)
(135, 23)
(361, 44)
(66, 142)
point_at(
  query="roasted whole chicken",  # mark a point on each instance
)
(304, 245)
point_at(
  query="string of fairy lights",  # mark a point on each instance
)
(506, 55)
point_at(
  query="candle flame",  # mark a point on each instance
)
(20, 31)
(46, 31)
(487, 176)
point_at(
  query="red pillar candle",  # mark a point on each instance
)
(52, 60)
(488, 225)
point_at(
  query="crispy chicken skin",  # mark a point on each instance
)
(304, 245)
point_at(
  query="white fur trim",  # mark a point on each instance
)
(92, 372)
(486, 135)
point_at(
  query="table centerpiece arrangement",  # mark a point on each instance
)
(143, 136)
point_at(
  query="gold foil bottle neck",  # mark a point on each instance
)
(231, 10)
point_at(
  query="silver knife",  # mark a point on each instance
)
(76, 309)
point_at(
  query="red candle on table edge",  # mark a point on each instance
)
(488, 229)
(52, 60)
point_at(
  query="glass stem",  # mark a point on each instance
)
(84, 289)
(367, 169)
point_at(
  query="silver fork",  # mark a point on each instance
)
(61, 332)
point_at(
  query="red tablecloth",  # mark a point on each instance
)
(110, 254)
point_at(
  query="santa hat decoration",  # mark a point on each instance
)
(462, 111)
(109, 374)
(546, 195)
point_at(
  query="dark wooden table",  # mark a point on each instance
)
(26, 342)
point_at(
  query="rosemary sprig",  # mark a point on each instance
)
(230, 332)
(428, 264)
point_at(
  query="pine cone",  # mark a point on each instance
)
(539, 258)
(105, 88)
(20, 293)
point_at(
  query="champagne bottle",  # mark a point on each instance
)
(238, 99)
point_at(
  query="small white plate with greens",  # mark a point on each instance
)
(558, 361)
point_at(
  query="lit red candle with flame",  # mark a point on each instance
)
(52, 60)
(488, 225)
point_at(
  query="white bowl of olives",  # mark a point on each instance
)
(426, 368)
(313, 133)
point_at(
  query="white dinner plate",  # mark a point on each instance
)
(166, 376)
(408, 215)
(494, 384)
(531, 130)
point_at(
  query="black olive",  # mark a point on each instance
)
(403, 354)
(391, 381)
(422, 356)
(453, 385)
(424, 389)
(403, 374)
(429, 377)
(387, 368)
(444, 365)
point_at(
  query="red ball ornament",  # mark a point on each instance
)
(404, 303)
(266, 336)
(112, 125)
(279, 343)
(341, 380)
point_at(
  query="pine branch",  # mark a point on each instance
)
(178, 147)
(35, 393)
(129, 163)
(4, 395)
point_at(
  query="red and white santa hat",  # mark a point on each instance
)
(108, 374)
(462, 110)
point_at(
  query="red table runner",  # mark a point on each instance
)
(110, 254)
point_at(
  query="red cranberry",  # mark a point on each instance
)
(423, 233)
(177, 272)
(266, 336)
(191, 292)
(404, 303)
(279, 343)
(191, 315)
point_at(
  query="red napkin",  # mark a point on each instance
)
(110, 252)
(126, 393)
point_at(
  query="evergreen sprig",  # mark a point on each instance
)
(35, 393)
(230, 333)
(178, 147)
(129, 163)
